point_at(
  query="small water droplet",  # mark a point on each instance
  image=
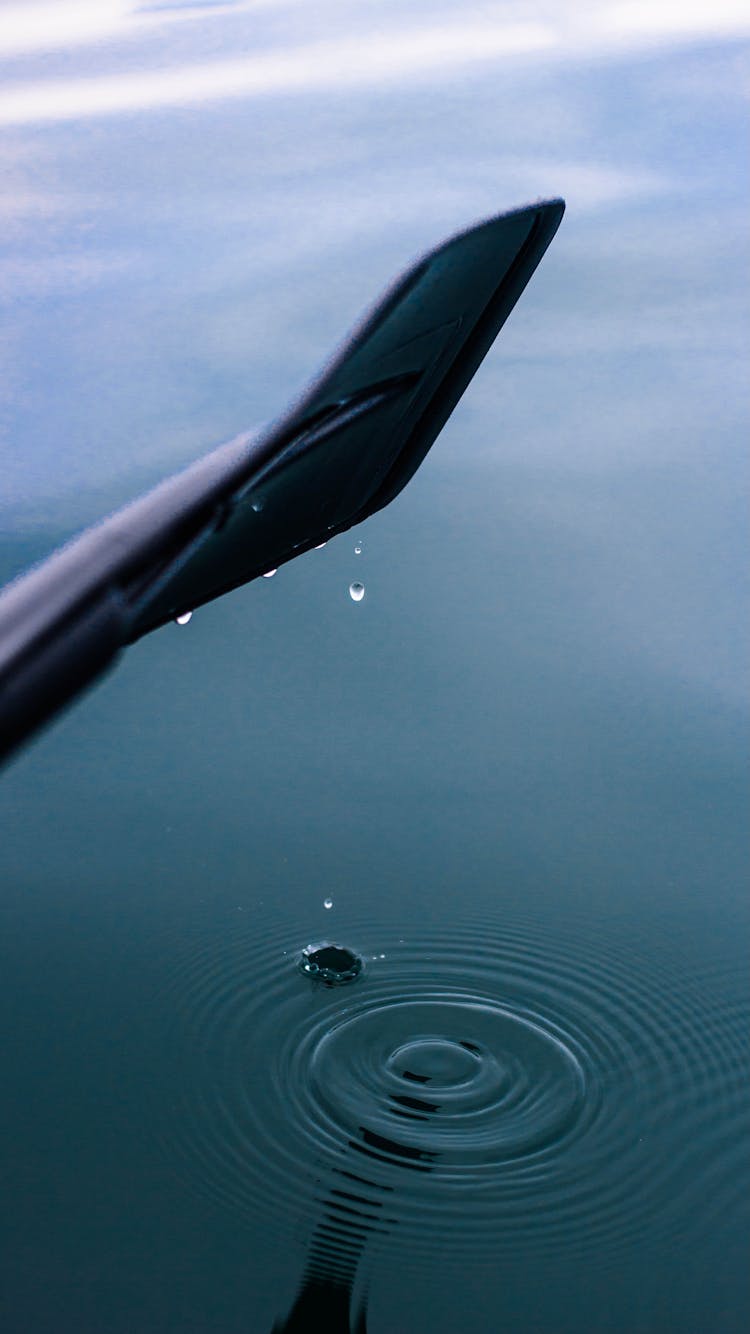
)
(356, 592)
(327, 903)
(269, 574)
(257, 503)
(358, 549)
(184, 618)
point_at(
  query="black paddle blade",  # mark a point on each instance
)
(343, 451)
(359, 434)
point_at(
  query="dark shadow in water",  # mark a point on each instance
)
(324, 1300)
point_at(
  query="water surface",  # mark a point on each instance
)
(511, 777)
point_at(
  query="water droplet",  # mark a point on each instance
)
(327, 903)
(358, 549)
(184, 618)
(356, 592)
(332, 964)
(257, 503)
(269, 574)
(320, 546)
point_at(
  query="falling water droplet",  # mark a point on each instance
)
(269, 574)
(184, 618)
(327, 903)
(356, 592)
(358, 549)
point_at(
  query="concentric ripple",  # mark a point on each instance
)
(496, 1086)
(448, 1080)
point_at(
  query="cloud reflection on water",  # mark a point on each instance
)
(367, 56)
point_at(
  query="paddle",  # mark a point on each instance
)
(343, 451)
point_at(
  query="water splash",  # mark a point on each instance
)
(358, 549)
(333, 964)
(356, 591)
(327, 903)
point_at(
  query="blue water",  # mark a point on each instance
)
(516, 768)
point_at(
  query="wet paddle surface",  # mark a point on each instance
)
(377, 959)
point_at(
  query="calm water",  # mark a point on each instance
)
(511, 777)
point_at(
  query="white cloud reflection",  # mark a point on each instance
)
(26, 29)
(389, 53)
(341, 63)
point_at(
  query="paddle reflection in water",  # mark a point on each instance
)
(350, 1217)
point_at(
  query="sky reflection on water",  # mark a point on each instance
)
(528, 742)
